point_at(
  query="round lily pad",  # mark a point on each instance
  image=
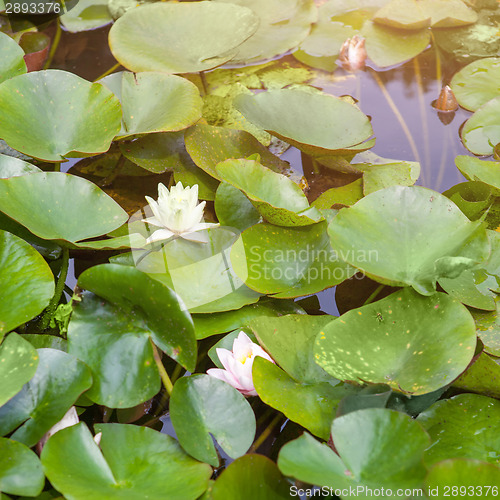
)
(180, 37)
(463, 427)
(130, 462)
(481, 132)
(18, 363)
(279, 29)
(403, 14)
(154, 102)
(86, 15)
(58, 382)
(202, 406)
(234, 209)
(53, 114)
(475, 169)
(12, 167)
(314, 122)
(12, 63)
(477, 83)
(488, 328)
(425, 237)
(57, 206)
(251, 477)
(278, 199)
(26, 282)
(412, 343)
(20, 470)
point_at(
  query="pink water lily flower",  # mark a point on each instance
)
(353, 53)
(238, 364)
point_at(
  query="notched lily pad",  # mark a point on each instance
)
(12, 63)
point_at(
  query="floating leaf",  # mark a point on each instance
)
(481, 132)
(340, 196)
(278, 199)
(311, 405)
(403, 14)
(78, 117)
(412, 343)
(387, 46)
(477, 83)
(377, 447)
(448, 13)
(60, 206)
(20, 470)
(475, 169)
(251, 477)
(154, 102)
(488, 328)
(86, 15)
(426, 237)
(180, 37)
(234, 209)
(202, 406)
(58, 382)
(289, 262)
(135, 462)
(26, 282)
(36, 47)
(12, 167)
(461, 427)
(280, 29)
(314, 122)
(12, 58)
(464, 475)
(208, 146)
(18, 363)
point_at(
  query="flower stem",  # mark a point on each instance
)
(108, 72)
(265, 433)
(373, 295)
(51, 308)
(176, 373)
(163, 373)
(55, 44)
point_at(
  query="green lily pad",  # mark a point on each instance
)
(448, 13)
(58, 382)
(279, 29)
(377, 447)
(86, 15)
(477, 83)
(481, 377)
(462, 427)
(470, 476)
(166, 151)
(211, 324)
(403, 14)
(475, 169)
(234, 209)
(216, 288)
(426, 237)
(316, 123)
(473, 198)
(412, 343)
(340, 196)
(387, 46)
(481, 132)
(79, 118)
(180, 37)
(251, 477)
(208, 146)
(488, 328)
(57, 206)
(202, 406)
(140, 308)
(12, 167)
(288, 262)
(135, 462)
(43, 341)
(18, 363)
(278, 199)
(20, 470)
(154, 102)
(289, 340)
(12, 58)
(26, 282)
(311, 405)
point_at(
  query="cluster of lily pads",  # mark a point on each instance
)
(400, 392)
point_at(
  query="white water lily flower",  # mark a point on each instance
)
(177, 214)
(238, 364)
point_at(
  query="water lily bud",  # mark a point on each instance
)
(446, 100)
(177, 213)
(353, 53)
(238, 364)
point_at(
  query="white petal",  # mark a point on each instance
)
(155, 208)
(225, 376)
(153, 221)
(242, 346)
(258, 351)
(225, 357)
(204, 225)
(160, 235)
(198, 236)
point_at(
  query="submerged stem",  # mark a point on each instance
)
(108, 72)
(163, 373)
(265, 433)
(55, 44)
(51, 308)
(423, 118)
(373, 295)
